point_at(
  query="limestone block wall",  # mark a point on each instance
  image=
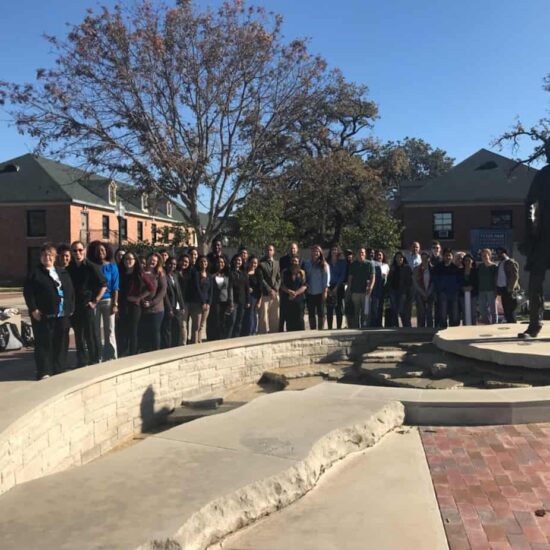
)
(70, 424)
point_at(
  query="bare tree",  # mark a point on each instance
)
(190, 105)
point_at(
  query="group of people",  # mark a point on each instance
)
(140, 304)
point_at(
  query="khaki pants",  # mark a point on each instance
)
(198, 322)
(269, 315)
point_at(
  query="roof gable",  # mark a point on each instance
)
(484, 176)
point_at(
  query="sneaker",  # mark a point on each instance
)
(45, 377)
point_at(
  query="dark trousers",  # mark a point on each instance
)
(376, 309)
(150, 330)
(295, 315)
(536, 296)
(400, 305)
(171, 331)
(424, 311)
(509, 304)
(336, 304)
(51, 345)
(219, 321)
(315, 311)
(128, 329)
(447, 310)
(236, 321)
(250, 318)
(86, 336)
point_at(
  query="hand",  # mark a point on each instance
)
(292, 294)
(273, 293)
(259, 305)
(91, 305)
(247, 306)
(37, 315)
(205, 307)
(114, 309)
(146, 304)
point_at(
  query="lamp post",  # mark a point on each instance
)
(120, 215)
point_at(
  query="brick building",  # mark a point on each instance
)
(49, 201)
(479, 202)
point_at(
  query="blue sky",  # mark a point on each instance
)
(456, 74)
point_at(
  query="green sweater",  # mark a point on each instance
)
(487, 277)
(361, 273)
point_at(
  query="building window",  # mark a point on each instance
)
(36, 223)
(169, 209)
(112, 193)
(443, 225)
(123, 229)
(144, 202)
(502, 219)
(33, 257)
(105, 226)
(153, 232)
(140, 231)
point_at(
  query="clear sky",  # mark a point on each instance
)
(455, 73)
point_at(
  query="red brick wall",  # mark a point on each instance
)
(417, 221)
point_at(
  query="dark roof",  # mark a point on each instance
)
(43, 180)
(485, 176)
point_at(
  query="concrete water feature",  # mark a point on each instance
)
(191, 486)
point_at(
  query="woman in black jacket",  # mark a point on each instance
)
(222, 302)
(49, 295)
(238, 278)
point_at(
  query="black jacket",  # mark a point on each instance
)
(241, 288)
(174, 295)
(88, 280)
(40, 292)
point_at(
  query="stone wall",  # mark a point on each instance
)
(68, 424)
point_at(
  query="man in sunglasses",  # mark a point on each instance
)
(89, 286)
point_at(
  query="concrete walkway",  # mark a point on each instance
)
(198, 482)
(383, 495)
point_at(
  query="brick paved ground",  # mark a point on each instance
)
(489, 482)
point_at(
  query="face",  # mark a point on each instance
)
(221, 264)
(458, 258)
(270, 251)
(217, 247)
(244, 255)
(152, 262)
(295, 263)
(238, 262)
(65, 258)
(254, 264)
(362, 254)
(164, 256)
(370, 254)
(448, 257)
(185, 263)
(436, 249)
(102, 252)
(334, 252)
(47, 257)
(315, 253)
(425, 259)
(143, 262)
(194, 256)
(349, 258)
(78, 252)
(171, 265)
(399, 259)
(129, 261)
(203, 264)
(294, 249)
(486, 256)
(415, 248)
(119, 255)
(379, 257)
(467, 261)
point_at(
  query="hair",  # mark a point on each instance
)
(329, 254)
(170, 258)
(234, 260)
(321, 261)
(381, 252)
(486, 250)
(183, 257)
(424, 254)
(137, 272)
(62, 248)
(92, 252)
(159, 270)
(470, 257)
(436, 243)
(502, 250)
(395, 256)
(162, 251)
(447, 250)
(120, 249)
(78, 242)
(48, 247)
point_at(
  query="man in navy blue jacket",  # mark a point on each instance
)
(447, 287)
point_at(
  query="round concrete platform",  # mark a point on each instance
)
(497, 344)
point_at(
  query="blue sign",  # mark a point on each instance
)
(490, 238)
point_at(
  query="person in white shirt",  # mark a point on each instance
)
(413, 255)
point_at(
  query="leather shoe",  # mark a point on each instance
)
(531, 332)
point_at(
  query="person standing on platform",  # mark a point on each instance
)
(174, 307)
(89, 286)
(487, 288)
(317, 280)
(284, 263)
(49, 295)
(507, 283)
(361, 281)
(271, 281)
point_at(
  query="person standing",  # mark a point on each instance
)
(361, 281)
(317, 280)
(337, 289)
(423, 288)
(284, 263)
(381, 272)
(413, 257)
(107, 308)
(469, 284)
(238, 279)
(219, 319)
(215, 253)
(89, 287)
(507, 283)
(64, 256)
(153, 305)
(446, 284)
(200, 299)
(174, 307)
(135, 285)
(271, 281)
(49, 295)
(436, 257)
(293, 284)
(250, 320)
(486, 296)
(400, 290)
(185, 277)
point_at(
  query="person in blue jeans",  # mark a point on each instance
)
(447, 287)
